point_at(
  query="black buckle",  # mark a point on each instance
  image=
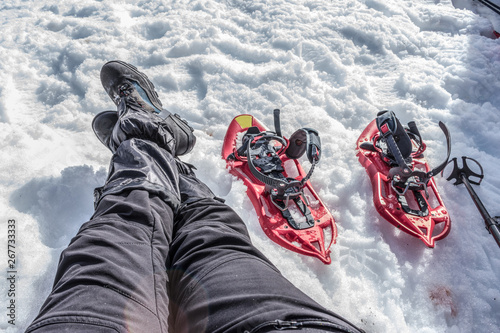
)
(313, 145)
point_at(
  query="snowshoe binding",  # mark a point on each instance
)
(290, 211)
(404, 190)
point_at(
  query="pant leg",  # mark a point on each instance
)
(221, 283)
(112, 276)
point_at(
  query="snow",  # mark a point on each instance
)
(329, 65)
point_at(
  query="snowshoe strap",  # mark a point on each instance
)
(388, 125)
(260, 152)
(400, 147)
(262, 148)
(305, 140)
(302, 205)
(426, 176)
(249, 135)
(418, 179)
(443, 165)
(282, 191)
(391, 130)
(414, 133)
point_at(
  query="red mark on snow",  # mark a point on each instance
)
(442, 297)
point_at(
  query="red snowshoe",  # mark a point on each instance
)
(404, 191)
(289, 210)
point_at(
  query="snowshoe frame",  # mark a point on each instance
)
(404, 190)
(259, 161)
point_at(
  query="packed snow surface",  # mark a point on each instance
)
(328, 65)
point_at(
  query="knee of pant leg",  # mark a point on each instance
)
(212, 211)
(142, 165)
(211, 239)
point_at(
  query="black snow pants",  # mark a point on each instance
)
(162, 254)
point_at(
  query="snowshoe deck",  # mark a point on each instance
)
(298, 221)
(412, 202)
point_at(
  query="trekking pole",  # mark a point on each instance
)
(462, 175)
(491, 6)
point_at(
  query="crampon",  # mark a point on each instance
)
(404, 190)
(289, 210)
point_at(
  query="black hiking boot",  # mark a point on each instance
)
(120, 80)
(133, 93)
